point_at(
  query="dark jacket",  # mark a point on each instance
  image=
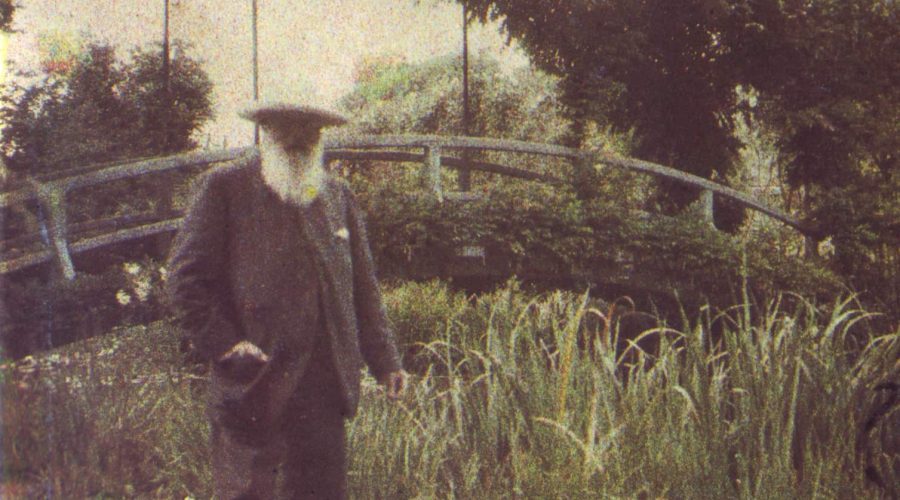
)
(232, 277)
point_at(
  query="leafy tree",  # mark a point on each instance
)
(652, 66)
(394, 96)
(103, 109)
(7, 9)
(167, 115)
(826, 73)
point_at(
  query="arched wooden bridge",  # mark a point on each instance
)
(58, 240)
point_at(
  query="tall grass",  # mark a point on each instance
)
(748, 403)
(113, 417)
(509, 399)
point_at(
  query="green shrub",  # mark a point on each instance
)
(44, 313)
(546, 234)
(419, 313)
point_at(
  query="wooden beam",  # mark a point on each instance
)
(447, 142)
(11, 265)
(448, 161)
(126, 234)
(693, 180)
(107, 173)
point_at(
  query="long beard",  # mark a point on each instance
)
(297, 178)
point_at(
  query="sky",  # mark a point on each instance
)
(307, 49)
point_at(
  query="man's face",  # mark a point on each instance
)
(294, 139)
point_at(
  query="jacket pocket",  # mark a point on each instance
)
(238, 369)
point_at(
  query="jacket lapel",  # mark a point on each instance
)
(324, 225)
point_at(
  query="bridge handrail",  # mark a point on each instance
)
(106, 173)
(371, 141)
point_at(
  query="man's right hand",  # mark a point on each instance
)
(244, 349)
(242, 362)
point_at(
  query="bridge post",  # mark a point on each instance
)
(706, 206)
(432, 171)
(53, 203)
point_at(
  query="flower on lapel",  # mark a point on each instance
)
(310, 192)
(342, 233)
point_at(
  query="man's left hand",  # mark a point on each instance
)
(394, 383)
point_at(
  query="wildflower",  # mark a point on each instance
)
(132, 268)
(163, 273)
(142, 289)
(123, 298)
(826, 248)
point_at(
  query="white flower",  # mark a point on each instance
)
(123, 298)
(342, 233)
(826, 248)
(163, 273)
(142, 289)
(132, 268)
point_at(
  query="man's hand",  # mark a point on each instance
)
(242, 363)
(244, 349)
(394, 383)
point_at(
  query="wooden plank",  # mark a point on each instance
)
(26, 261)
(699, 182)
(149, 166)
(448, 161)
(448, 142)
(78, 229)
(11, 265)
(107, 173)
(126, 234)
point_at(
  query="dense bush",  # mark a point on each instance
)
(546, 232)
(40, 313)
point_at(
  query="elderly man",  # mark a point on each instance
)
(272, 279)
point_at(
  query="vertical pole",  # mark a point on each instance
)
(165, 76)
(432, 171)
(53, 203)
(255, 69)
(465, 179)
(165, 62)
(707, 206)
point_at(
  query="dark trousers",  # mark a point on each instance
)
(308, 450)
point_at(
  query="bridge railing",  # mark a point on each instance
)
(51, 191)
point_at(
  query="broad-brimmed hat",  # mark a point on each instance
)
(281, 113)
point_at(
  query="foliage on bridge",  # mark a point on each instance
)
(548, 233)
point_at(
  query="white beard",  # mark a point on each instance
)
(296, 178)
